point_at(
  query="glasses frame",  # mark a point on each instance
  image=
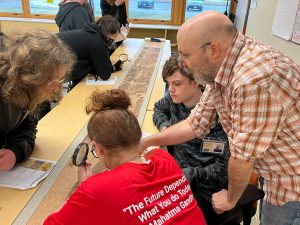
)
(93, 151)
(56, 82)
(187, 55)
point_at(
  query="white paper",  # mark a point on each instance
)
(284, 19)
(296, 28)
(90, 80)
(27, 174)
(123, 34)
(253, 4)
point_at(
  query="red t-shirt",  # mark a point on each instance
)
(155, 193)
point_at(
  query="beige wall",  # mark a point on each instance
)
(259, 26)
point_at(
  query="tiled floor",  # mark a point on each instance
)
(255, 219)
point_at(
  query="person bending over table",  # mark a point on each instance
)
(91, 46)
(32, 67)
(135, 188)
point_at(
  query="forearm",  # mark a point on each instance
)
(176, 134)
(21, 141)
(239, 174)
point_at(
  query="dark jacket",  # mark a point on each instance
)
(91, 49)
(17, 130)
(72, 16)
(202, 169)
(119, 12)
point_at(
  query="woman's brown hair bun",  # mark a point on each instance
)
(110, 99)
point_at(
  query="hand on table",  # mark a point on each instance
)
(7, 159)
(118, 65)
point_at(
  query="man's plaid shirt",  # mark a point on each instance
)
(257, 96)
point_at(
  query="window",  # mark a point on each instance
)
(96, 7)
(170, 12)
(150, 9)
(14, 6)
(194, 7)
(49, 7)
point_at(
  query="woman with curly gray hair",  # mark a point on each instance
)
(32, 67)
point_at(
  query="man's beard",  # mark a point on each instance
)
(207, 77)
(203, 79)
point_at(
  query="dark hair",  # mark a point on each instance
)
(171, 66)
(112, 125)
(108, 25)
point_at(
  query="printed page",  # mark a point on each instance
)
(27, 174)
(90, 80)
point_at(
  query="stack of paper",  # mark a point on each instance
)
(27, 174)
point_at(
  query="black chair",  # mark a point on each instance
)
(242, 212)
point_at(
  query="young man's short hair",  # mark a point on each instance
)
(171, 66)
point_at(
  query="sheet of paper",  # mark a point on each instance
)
(27, 174)
(90, 80)
(122, 35)
(253, 4)
(296, 28)
(284, 18)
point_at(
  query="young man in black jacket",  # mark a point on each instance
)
(32, 67)
(205, 169)
(91, 46)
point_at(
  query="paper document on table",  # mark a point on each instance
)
(123, 34)
(26, 174)
(90, 80)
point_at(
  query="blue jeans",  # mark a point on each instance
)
(288, 214)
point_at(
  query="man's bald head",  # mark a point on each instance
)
(208, 26)
(203, 42)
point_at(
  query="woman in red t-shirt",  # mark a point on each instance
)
(136, 189)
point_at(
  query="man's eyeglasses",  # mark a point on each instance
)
(56, 82)
(187, 55)
(80, 154)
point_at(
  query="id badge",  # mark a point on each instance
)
(213, 146)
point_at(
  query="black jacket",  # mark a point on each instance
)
(91, 49)
(17, 130)
(72, 16)
(119, 12)
(202, 169)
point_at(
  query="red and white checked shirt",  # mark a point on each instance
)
(257, 97)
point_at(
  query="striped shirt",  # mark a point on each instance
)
(257, 96)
